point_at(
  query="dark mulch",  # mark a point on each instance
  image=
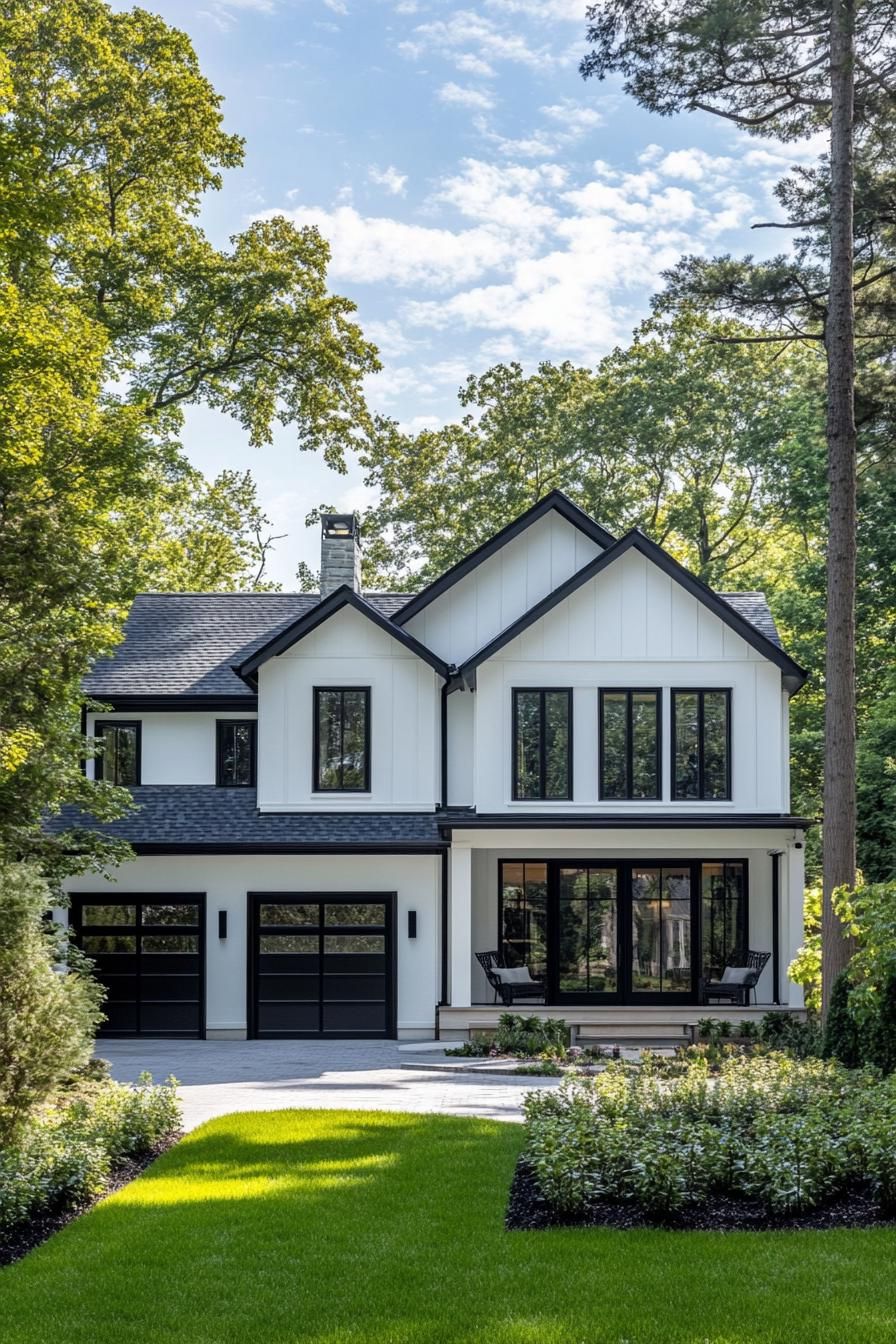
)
(24, 1237)
(529, 1211)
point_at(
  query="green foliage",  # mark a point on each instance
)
(841, 1033)
(47, 1019)
(799, 1037)
(528, 1036)
(684, 433)
(789, 1134)
(116, 312)
(805, 969)
(66, 1154)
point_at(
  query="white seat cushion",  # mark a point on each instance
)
(736, 975)
(514, 975)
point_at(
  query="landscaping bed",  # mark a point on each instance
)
(92, 1138)
(742, 1141)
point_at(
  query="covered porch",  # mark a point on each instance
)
(621, 924)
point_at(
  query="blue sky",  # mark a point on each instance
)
(482, 202)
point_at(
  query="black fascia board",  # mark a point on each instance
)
(285, 847)
(342, 597)
(794, 675)
(175, 702)
(498, 821)
(556, 501)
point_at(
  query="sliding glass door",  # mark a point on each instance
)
(622, 931)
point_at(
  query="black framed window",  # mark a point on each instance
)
(235, 757)
(119, 760)
(630, 736)
(701, 745)
(724, 915)
(522, 916)
(542, 744)
(342, 739)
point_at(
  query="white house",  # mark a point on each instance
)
(567, 751)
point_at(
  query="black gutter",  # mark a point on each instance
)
(498, 822)
(443, 729)
(275, 847)
(181, 702)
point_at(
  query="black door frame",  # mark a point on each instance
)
(624, 994)
(254, 901)
(77, 901)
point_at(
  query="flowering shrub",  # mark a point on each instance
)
(789, 1134)
(67, 1153)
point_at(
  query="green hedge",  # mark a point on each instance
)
(790, 1134)
(67, 1153)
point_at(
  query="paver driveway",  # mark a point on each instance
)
(218, 1077)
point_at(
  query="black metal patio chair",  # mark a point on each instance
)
(740, 976)
(510, 982)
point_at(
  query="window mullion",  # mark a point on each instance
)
(701, 746)
(542, 745)
(342, 739)
(629, 746)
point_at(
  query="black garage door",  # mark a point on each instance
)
(321, 965)
(148, 952)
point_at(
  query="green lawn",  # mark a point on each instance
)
(359, 1226)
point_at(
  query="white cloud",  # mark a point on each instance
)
(511, 198)
(465, 96)
(473, 65)
(375, 249)
(694, 165)
(221, 12)
(390, 178)
(548, 10)
(575, 118)
(465, 31)
(336, 6)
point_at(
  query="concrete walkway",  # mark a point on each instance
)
(218, 1077)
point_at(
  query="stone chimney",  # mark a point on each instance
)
(340, 552)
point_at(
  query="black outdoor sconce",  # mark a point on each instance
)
(412, 923)
(222, 923)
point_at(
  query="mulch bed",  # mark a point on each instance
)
(18, 1240)
(529, 1211)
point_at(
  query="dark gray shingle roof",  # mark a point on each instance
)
(201, 816)
(754, 608)
(185, 643)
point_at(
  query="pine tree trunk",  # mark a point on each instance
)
(840, 706)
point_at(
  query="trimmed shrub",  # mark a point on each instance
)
(49, 1002)
(65, 1156)
(789, 1134)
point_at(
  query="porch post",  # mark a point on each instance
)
(796, 881)
(460, 924)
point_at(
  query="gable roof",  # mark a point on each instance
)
(726, 610)
(556, 501)
(185, 644)
(336, 601)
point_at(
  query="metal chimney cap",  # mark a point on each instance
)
(339, 525)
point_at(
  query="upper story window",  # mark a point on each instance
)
(542, 744)
(342, 739)
(235, 758)
(701, 745)
(119, 760)
(630, 758)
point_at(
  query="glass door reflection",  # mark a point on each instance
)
(661, 930)
(587, 932)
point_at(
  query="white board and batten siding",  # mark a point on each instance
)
(177, 748)
(347, 651)
(499, 590)
(629, 626)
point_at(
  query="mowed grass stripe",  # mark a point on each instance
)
(338, 1226)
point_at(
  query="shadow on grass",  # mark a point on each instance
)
(349, 1227)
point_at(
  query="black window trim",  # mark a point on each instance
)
(220, 726)
(542, 691)
(628, 692)
(99, 730)
(700, 691)
(316, 785)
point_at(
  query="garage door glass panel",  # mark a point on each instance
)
(109, 944)
(355, 943)
(290, 914)
(355, 914)
(109, 914)
(280, 944)
(171, 942)
(170, 914)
